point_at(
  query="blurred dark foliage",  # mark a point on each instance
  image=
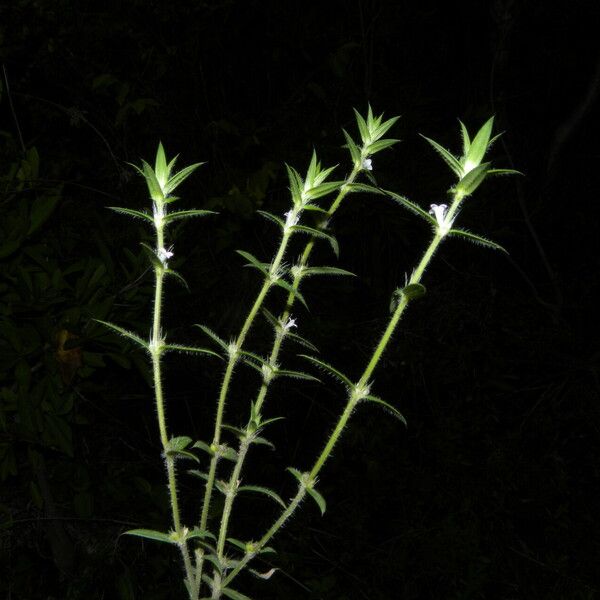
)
(492, 491)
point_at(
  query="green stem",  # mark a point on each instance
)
(353, 398)
(275, 354)
(233, 357)
(156, 347)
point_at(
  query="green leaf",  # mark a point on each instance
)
(504, 172)
(362, 127)
(266, 575)
(472, 180)
(271, 217)
(254, 262)
(476, 239)
(237, 543)
(133, 213)
(178, 443)
(160, 166)
(261, 441)
(199, 474)
(480, 143)
(185, 214)
(128, 334)
(262, 490)
(450, 159)
(234, 595)
(154, 188)
(180, 177)
(189, 350)
(318, 498)
(300, 340)
(363, 187)
(211, 334)
(354, 150)
(151, 256)
(412, 207)
(204, 446)
(412, 291)
(313, 169)
(380, 145)
(394, 411)
(380, 131)
(200, 533)
(466, 141)
(178, 277)
(150, 534)
(320, 234)
(296, 185)
(323, 189)
(329, 369)
(295, 375)
(308, 271)
(298, 475)
(286, 286)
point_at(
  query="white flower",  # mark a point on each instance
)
(367, 164)
(289, 324)
(439, 211)
(291, 218)
(164, 255)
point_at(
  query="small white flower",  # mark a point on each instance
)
(291, 218)
(289, 324)
(439, 211)
(367, 164)
(164, 255)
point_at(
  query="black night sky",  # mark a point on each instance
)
(491, 491)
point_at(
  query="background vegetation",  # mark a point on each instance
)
(492, 490)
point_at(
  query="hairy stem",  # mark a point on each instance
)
(353, 399)
(156, 343)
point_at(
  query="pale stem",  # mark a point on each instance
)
(275, 354)
(352, 400)
(162, 425)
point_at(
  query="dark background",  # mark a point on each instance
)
(492, 490)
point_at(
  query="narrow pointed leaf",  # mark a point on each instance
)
(237, 543)
(199, 474)
(381, 145)
(185, 214)
(297, 474)
(200, 533)
(262, 490)
(319, 233)
(384, 128)
(253, 261)
(480, 143)
(362, 127)
(133, 213)
(296, 375)
(351, 145)
(308, 271)
(412, 207)
(125, 333)
(234, 595)
(204, 446)
(388, 407)
(315, 208)
(272, 217)
(211, 334)
(450, 159)
(154, 188)
(151, 255)
(180, 177)
(318, 498)
(172, 164)
(178, 277)
(473, 179)
(466, 140)
(178, 443)
(302, 341)
(270, 317)
(324, 174)
(364, 187)
(150, 534)
(323, 189)
(504, 172)
(476, 239)
(261, 441)
(329, 369)
(296, 184)
(160, 165)
(190, 350)
(286, 286)
(311, 173)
